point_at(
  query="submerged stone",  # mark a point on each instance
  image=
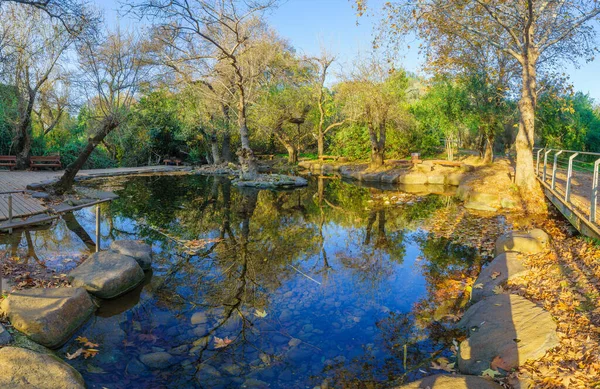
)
(158, 360)
(504, 267)
(22, 368)
(507, 328)
(5, 337)
(107, 274)
(442, 381)
(48, 316)
(136, 249)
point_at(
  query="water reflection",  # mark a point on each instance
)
(289, 289)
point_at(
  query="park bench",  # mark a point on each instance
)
(174, 161)
(47, 161)
(268, 157)
(9, 161)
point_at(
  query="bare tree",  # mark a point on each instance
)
(111, 69)
(76, 16)
(228, 30)
(32, 51)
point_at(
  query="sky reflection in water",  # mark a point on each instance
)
(336, 277)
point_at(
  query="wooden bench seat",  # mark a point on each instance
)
(329, 157)
(268, 157)
(174, 161)
(47, 161)
(9, 161)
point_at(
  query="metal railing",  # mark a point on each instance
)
(573, 178)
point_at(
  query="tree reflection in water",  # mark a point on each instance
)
(309, 285)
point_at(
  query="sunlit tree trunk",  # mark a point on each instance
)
(377, 145)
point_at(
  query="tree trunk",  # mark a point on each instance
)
(23, 137)
(248, 167)
(377, 146)
(488, 156)
(525, 178)
(66, 181)
(321, 143)
(292, 154)
(226, 148)
(214, 148)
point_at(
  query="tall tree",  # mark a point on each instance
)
(111, 69)
(375, 95)
(229, 30)
(33, 48)
(537, 34)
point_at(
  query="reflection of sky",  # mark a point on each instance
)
(337, 316)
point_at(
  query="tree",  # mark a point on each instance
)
(376, 95)
(33, 48)
(111, 69)
(537, 34)
(229, 30)
(76, 16)
(328, 114)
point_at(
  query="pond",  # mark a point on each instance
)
(280, 289)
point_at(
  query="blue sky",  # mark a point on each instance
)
(310, 24)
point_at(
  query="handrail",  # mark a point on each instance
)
(588, 194)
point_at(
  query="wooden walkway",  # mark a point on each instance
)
(15, 183)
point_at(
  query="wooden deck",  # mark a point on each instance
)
(15, 183)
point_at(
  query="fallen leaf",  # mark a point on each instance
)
(478, 286)
(260, 313)
(494, 275)
(490, 373)
(220, 343)
(75, 354)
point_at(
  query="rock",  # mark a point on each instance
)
(158, 360)
(40, 195)
(443, 381)
(294, 342)
(205, 372)
(436, 179)
(48, 316)
(504, 267)
(136, 249)
(412, 178)
(478, 206)
(23, 368)
(253, 383)
(135, 367)
(180, 350)
(199, 318)
(507, 203)
(232, 369)
(505, 326)
(107, 274)
(5, 337)
(523, 242)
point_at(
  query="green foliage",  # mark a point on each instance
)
(568, 122)
(8, 115)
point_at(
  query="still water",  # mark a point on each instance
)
(318, 286)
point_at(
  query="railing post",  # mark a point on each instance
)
(537, 163)
(546, 163)
(98, 228)
(554, 168)
(594, 194)
(569, 175)
(10, 212)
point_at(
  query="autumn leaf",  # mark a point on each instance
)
(494, 275)
(490, 373)
(478, 286)
(260, 313)
(220, 343)
(90, 353)
(442, 364)
(498, 362)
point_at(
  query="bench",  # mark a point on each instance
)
(268, 157)
(8, 160)
(174, 161)
(47, 161)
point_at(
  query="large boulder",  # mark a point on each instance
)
(48, 316)
(531, 242)
(22, 368)
(107, 274)
(504, 267)
(506, 329)
(413, 178)
(136, 249)
(442, 381)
